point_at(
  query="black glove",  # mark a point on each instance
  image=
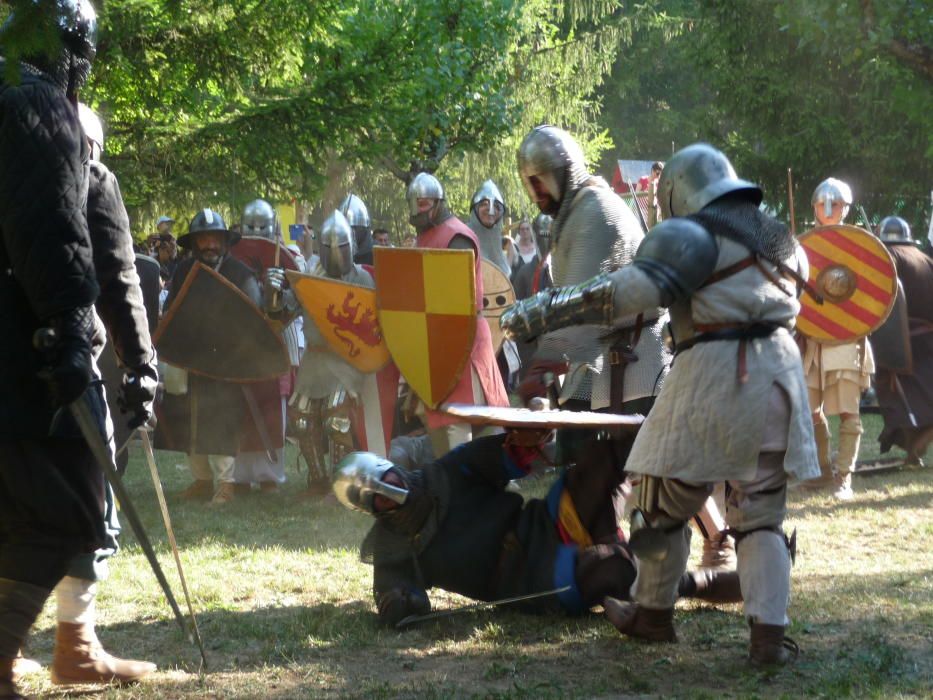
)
(396, 604)
(137, 392)
(68, 354)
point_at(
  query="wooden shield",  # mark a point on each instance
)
(891, 341)
(427, 311)
(347, 317)
(498, 295)
(258, 254)
(215, 330)
(856, 276)
(512, 417)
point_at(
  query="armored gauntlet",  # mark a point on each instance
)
(559, 307)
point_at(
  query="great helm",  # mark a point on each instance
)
(77, 23)
(207, 220)
(489, 195)
(359, 480)
(355, 211)
(93, 129)
(831, 191)
(542, 228)
(336, 245)
(553, 157)
(696, 176)
(893, 229)
(423, 186)
(259, 219)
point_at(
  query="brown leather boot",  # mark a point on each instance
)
(641, 623)
(80, 658)
(714, 586)
(268, 487)
(223, 495)
(200, 490)
(7, 689)
(718, 553)
(769, 646)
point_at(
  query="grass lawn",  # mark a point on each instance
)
(285, 610)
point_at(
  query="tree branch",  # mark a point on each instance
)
(917, 57)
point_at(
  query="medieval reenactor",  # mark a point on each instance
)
(480, 382)
(204, 421)
(260, 220)
(487, 215)
(905, 388)
(357, 215)
(836, 374)
(733, 407)
(79, 656)
(514, 547)
(533, 278)
(327, 385)
(51, 488)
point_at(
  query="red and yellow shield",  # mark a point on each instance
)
(854, 273)
(427, 310)
(346, 316)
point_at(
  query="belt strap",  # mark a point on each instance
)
(743, 332)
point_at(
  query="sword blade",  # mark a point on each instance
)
(413, 619)
(259, 422)
(160, 495)
(95, 441)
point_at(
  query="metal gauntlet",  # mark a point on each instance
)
(559, 307)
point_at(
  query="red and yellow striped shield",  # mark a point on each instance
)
(856, 276)
(427, 311)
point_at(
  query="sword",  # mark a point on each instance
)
(861, 210)
(414, 619)
(163, 506)
(903, 397)
(44, 340)
(259, 422)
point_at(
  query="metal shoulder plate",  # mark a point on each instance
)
(678, 255)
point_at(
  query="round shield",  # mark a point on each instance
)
(855, 274)
(498, 295)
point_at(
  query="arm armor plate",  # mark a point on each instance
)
(558, 307)
(678, 255)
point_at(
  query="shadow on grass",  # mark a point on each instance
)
(824, 504)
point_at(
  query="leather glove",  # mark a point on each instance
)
(137, 393)
(68, 354)
(537, 382)
(273, 290)
(396, 604)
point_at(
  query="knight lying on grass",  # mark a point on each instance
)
(453, 525)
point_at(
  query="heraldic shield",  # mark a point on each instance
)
(214, 330)
(427, 310)
(347, 317)
(258, 254)
(498, 295)
(855, 274)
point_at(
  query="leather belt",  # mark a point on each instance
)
(743, 332)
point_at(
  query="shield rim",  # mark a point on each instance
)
(283, 251)
(183, 292)
(294, 276)
(386, 252)
(811, 280)
(513, 417)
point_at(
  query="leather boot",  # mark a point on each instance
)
(7, 689)
(641, 623)
(769, 646)
(20, 605)
(825, 479)
(223, 495)
(80, 658)
(268, 487)
(711, 586)
(718, 553)
(200, 490)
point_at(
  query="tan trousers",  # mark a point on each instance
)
(205, 467)
(763, 559)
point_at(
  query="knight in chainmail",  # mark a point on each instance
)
(454, 525)
(733, 407)
(325, 380)
(487, 214)
(260, 220)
